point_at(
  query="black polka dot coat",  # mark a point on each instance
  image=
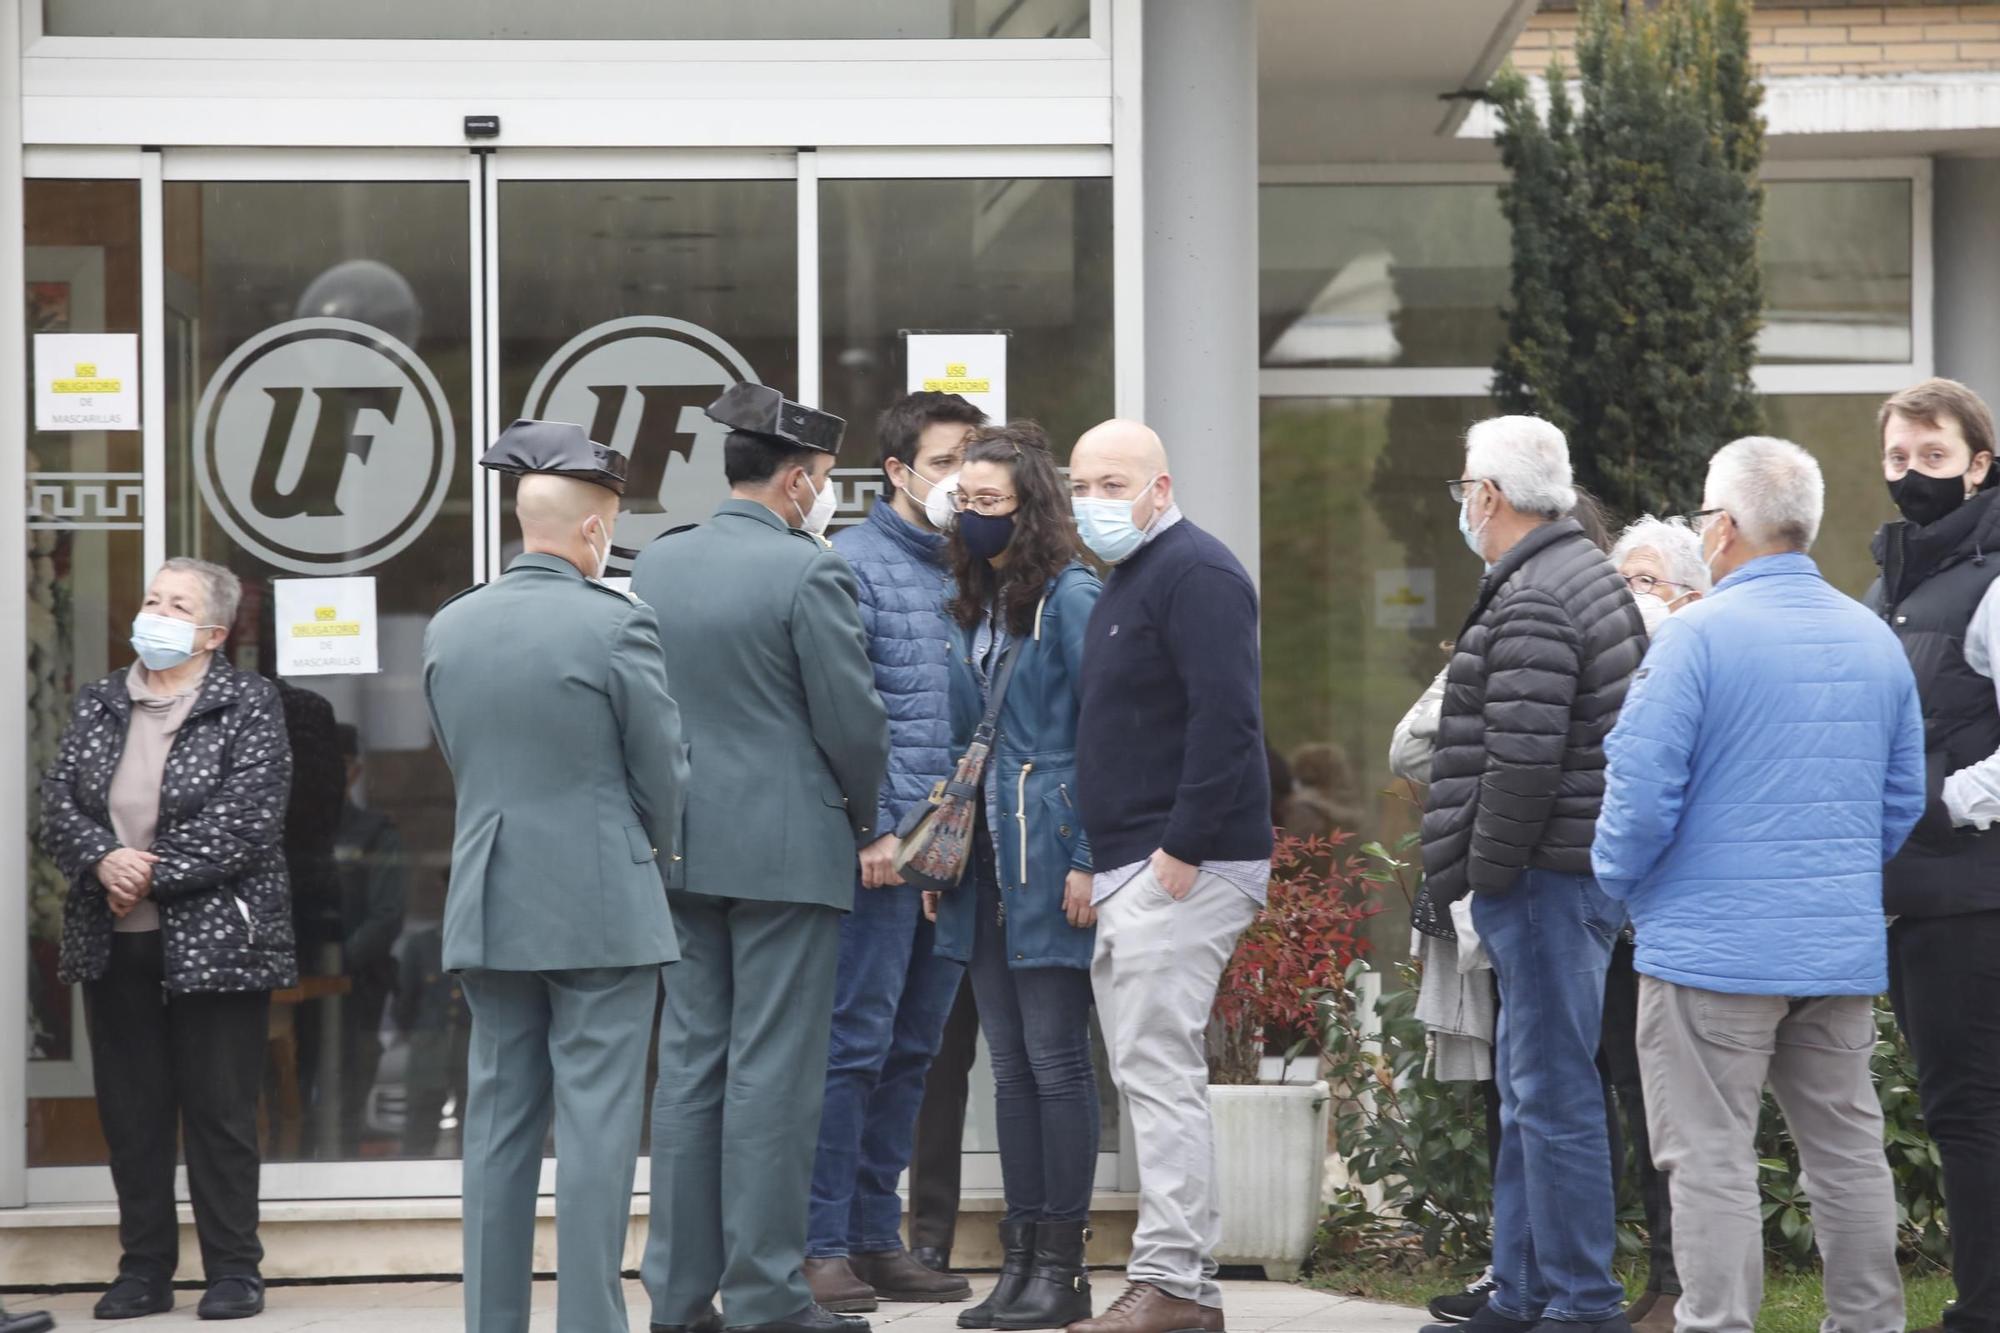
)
(225, 904)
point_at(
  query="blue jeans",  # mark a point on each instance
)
(1554, 1214)
(1037, 1026)
(892, 994)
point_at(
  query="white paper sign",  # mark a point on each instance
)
(973, 365)
(326, 627)
(1405, 598)
(86, 381)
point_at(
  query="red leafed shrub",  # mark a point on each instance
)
(1299, 947)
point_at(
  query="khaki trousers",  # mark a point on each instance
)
(1154, 975)
(1705, 1058)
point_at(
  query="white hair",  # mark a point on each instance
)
(221, 590)
(1675, 541)
(1770, 488)
(1527, 458)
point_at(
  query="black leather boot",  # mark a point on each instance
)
(1017, 1249)
(1057, 1292)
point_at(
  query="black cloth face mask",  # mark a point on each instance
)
(1924, 499)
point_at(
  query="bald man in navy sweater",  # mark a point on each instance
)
(1176, 792)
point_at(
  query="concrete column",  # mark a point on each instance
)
(1965, 232)
(1200, 160)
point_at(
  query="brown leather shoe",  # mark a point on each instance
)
(1659, 1317)
(836, 1287)
(1144, 1308)
(897, 1276)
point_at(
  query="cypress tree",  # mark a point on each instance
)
(1636, 290)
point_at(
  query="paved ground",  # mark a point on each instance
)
(434, 1307)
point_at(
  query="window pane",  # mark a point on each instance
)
(1839, 430)
(631, 20)
(1415, 275)
(628, 306)
(1364, 576)
(1381, 275)
(1028, 257)
(84, 585)
(319, 410)
(1837, 261)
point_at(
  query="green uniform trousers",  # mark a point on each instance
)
(743, 1040)
(573, 1042)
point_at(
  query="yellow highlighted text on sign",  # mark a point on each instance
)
(319, 629)
(87, 386)
(958, 386)
(325, 613)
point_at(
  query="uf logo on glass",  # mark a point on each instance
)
(324, 445)
(639, 385)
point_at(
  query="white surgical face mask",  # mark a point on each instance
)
(825, 502)
(1107, 526)
(1653, 611)
(163, 642)
(937, 504)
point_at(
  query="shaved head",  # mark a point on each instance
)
(554, 511)
(1123, 460)
(1131, 444)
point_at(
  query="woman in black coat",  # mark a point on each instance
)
(165, 810)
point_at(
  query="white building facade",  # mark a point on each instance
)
(328, 252)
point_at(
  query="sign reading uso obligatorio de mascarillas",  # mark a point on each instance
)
(326, 627)
(86, 381)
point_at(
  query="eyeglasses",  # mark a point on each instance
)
(1459, 487)
(988, 505)
(1644, 584)
(1699, 519)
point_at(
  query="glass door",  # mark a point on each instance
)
(322, 389)
(331, 340)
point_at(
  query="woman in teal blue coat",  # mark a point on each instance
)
(1022, 919)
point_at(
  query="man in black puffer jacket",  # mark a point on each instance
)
(1940, 592)
(1517, 779)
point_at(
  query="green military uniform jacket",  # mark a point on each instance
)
(787, 737)
(549, 699)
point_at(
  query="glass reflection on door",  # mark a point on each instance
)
(627, 307)
(318, 351)
(85, 547)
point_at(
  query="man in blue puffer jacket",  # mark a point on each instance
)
(892, 992)
(1769, 759)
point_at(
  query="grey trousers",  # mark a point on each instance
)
(743, 1042)
(573, 1043)
(1154, 975)
(1705, 1058)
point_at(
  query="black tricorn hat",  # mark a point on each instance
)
(560, 447)
(758, 409)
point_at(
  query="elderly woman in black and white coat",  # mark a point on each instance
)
(165, 809)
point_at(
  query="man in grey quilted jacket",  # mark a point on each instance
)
(1536, 680)
(892, 993)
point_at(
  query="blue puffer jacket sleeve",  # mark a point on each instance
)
(1650, 751)
(901, 586)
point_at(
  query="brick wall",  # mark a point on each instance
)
(1824, 38)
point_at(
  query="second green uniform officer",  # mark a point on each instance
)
(550, 704)
(789, 744)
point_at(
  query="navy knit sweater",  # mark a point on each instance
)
(1170, 741)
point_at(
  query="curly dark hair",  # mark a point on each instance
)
(1045, 540)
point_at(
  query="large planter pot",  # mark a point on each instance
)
(1270, 1155)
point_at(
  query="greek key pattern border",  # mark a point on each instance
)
(86, 501)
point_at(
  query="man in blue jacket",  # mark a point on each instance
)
(1769, 759)
(892, 991)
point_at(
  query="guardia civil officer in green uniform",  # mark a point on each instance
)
(549, 697)
(789, 743)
